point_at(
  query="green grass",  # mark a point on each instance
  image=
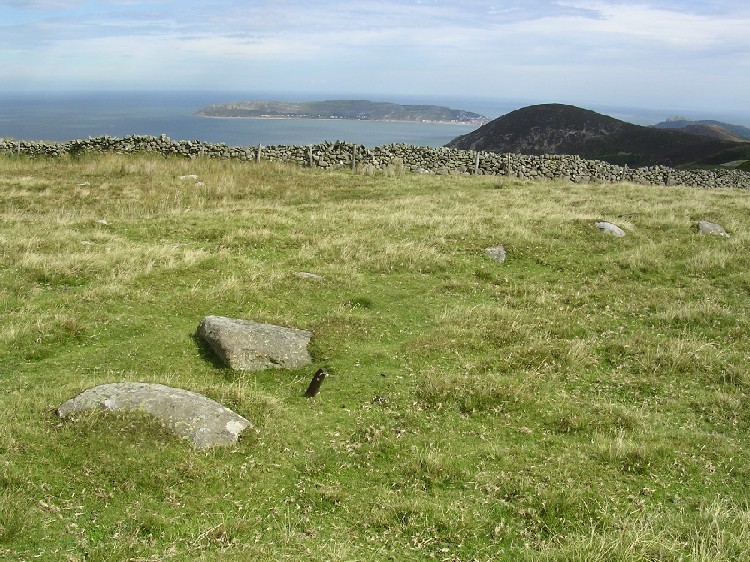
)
(585, 400)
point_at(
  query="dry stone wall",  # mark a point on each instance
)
(416, 159)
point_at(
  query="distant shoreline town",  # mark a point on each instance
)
(351, 110)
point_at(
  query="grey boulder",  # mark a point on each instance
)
(497, 253)
(204, 422)
(609, 228)
(250, 346)
(705, 227)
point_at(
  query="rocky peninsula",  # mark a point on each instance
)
(359, 110)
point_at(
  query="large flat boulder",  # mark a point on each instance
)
(250, 346)
(204, 422)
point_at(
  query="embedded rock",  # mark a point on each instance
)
(497, 253)
(311, 276)
(250, 346)
(609, 228)
(705, 227)
(204, 422)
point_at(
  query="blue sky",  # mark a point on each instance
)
(649, 53)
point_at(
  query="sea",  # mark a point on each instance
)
(62, 116)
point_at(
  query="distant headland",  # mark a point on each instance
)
(357, 110)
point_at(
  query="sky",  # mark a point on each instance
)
(642, 53)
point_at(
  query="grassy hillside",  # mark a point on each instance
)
(586, 400)
(566, 129)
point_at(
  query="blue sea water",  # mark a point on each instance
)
(66, 116)
(61, 116)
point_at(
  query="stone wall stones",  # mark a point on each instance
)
(415, 159)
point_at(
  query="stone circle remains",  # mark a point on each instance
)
(192, 416)
(712, 228)
(251, 346)
(609, 228)
(497, 253)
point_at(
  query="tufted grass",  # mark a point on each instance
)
(585, 400)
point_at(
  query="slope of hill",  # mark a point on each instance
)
(707, 127)
(713, 131)
(566, 129)
(342, 109)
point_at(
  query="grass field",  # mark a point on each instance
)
(585, 400)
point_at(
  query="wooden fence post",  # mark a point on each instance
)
(315, 383)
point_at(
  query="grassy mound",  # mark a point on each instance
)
(585, 400)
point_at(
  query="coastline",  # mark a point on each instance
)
(61, 117)
(477, 123)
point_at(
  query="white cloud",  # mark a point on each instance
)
(563, 48)
(674, 28)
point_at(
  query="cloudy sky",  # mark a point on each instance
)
(641, 53)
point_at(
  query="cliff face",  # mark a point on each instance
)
(566, 129)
